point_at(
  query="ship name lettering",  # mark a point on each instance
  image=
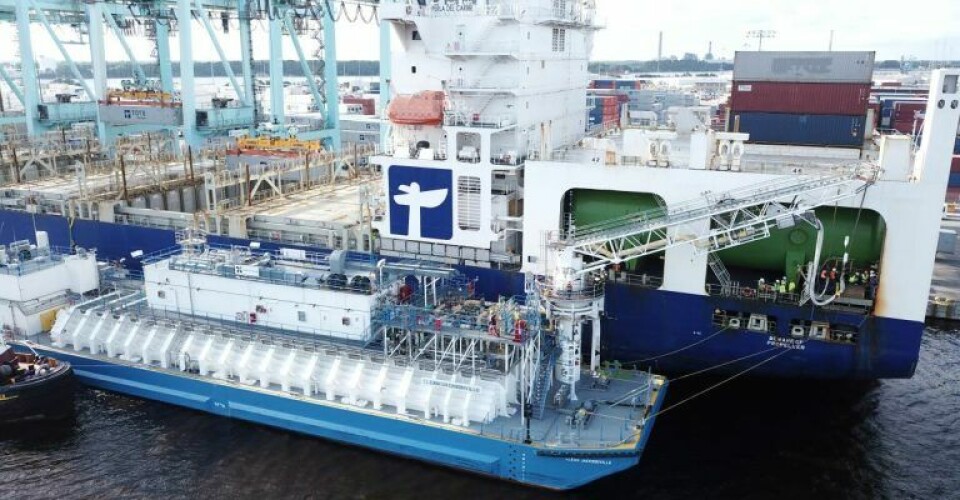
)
(450, 385)
(797, 344)
(591, 461)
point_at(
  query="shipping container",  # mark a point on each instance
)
(604, 84)
(821, 67)
(369, 106)
(801, 98)
(801, 130)
(906, 126)
(903, 111)
(121, 114)
(955, 165)
(954, 180)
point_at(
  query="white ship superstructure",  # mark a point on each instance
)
(487, 166)
(37, 280)
(509, 78)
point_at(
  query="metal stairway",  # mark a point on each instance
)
(737, 217)
(544, 383)
(720, 271)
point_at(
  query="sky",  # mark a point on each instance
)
(927, 29)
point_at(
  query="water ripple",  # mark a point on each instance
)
(753, 439)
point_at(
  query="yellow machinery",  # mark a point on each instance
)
(141, 96)
(278, 144)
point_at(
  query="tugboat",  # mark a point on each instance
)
(33, 387)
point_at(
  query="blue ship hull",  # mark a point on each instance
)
(499, 458)
(665, 330)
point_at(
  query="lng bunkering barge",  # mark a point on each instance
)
(398, 357)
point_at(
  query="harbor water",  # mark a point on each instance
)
(747, 439)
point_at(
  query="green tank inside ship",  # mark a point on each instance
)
(786, 249)
(780, 254)
(590, 207)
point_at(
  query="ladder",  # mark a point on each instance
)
(720, 271)
(736, 217)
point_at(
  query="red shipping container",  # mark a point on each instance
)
(847, 99)
(904, 111)
(368, 104)
(955, 165)
(904, 126)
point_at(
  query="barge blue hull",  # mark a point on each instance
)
(500, 458)
(666, 330)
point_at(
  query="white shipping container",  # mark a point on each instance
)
(813, 67)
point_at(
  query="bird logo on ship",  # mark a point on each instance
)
(420, 203)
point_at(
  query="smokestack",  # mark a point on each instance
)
(659, 51)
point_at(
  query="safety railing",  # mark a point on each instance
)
(478, 120)
(491, 83)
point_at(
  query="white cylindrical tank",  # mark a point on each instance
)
(156, 201)
(173, 200)
(189, 198)
(43, 240)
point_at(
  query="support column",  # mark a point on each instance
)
(187, 84)
(386, 70)
(277, 113)
(28, 68)
(163, 54)
(331, 75)
(594, 344)
(98, 62)
(246, 53)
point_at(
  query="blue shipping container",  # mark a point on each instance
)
(802, 130)
(954, 180)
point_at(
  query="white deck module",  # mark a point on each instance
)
(37, 280)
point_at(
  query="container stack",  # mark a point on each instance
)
(955, 172)
(626, 84)
(898, 111)
(802, 98)
(604, 109)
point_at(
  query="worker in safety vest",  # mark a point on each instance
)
(792, 287)
(783, 285)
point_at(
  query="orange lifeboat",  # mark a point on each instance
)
(424, 108)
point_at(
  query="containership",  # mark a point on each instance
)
(796, 242)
